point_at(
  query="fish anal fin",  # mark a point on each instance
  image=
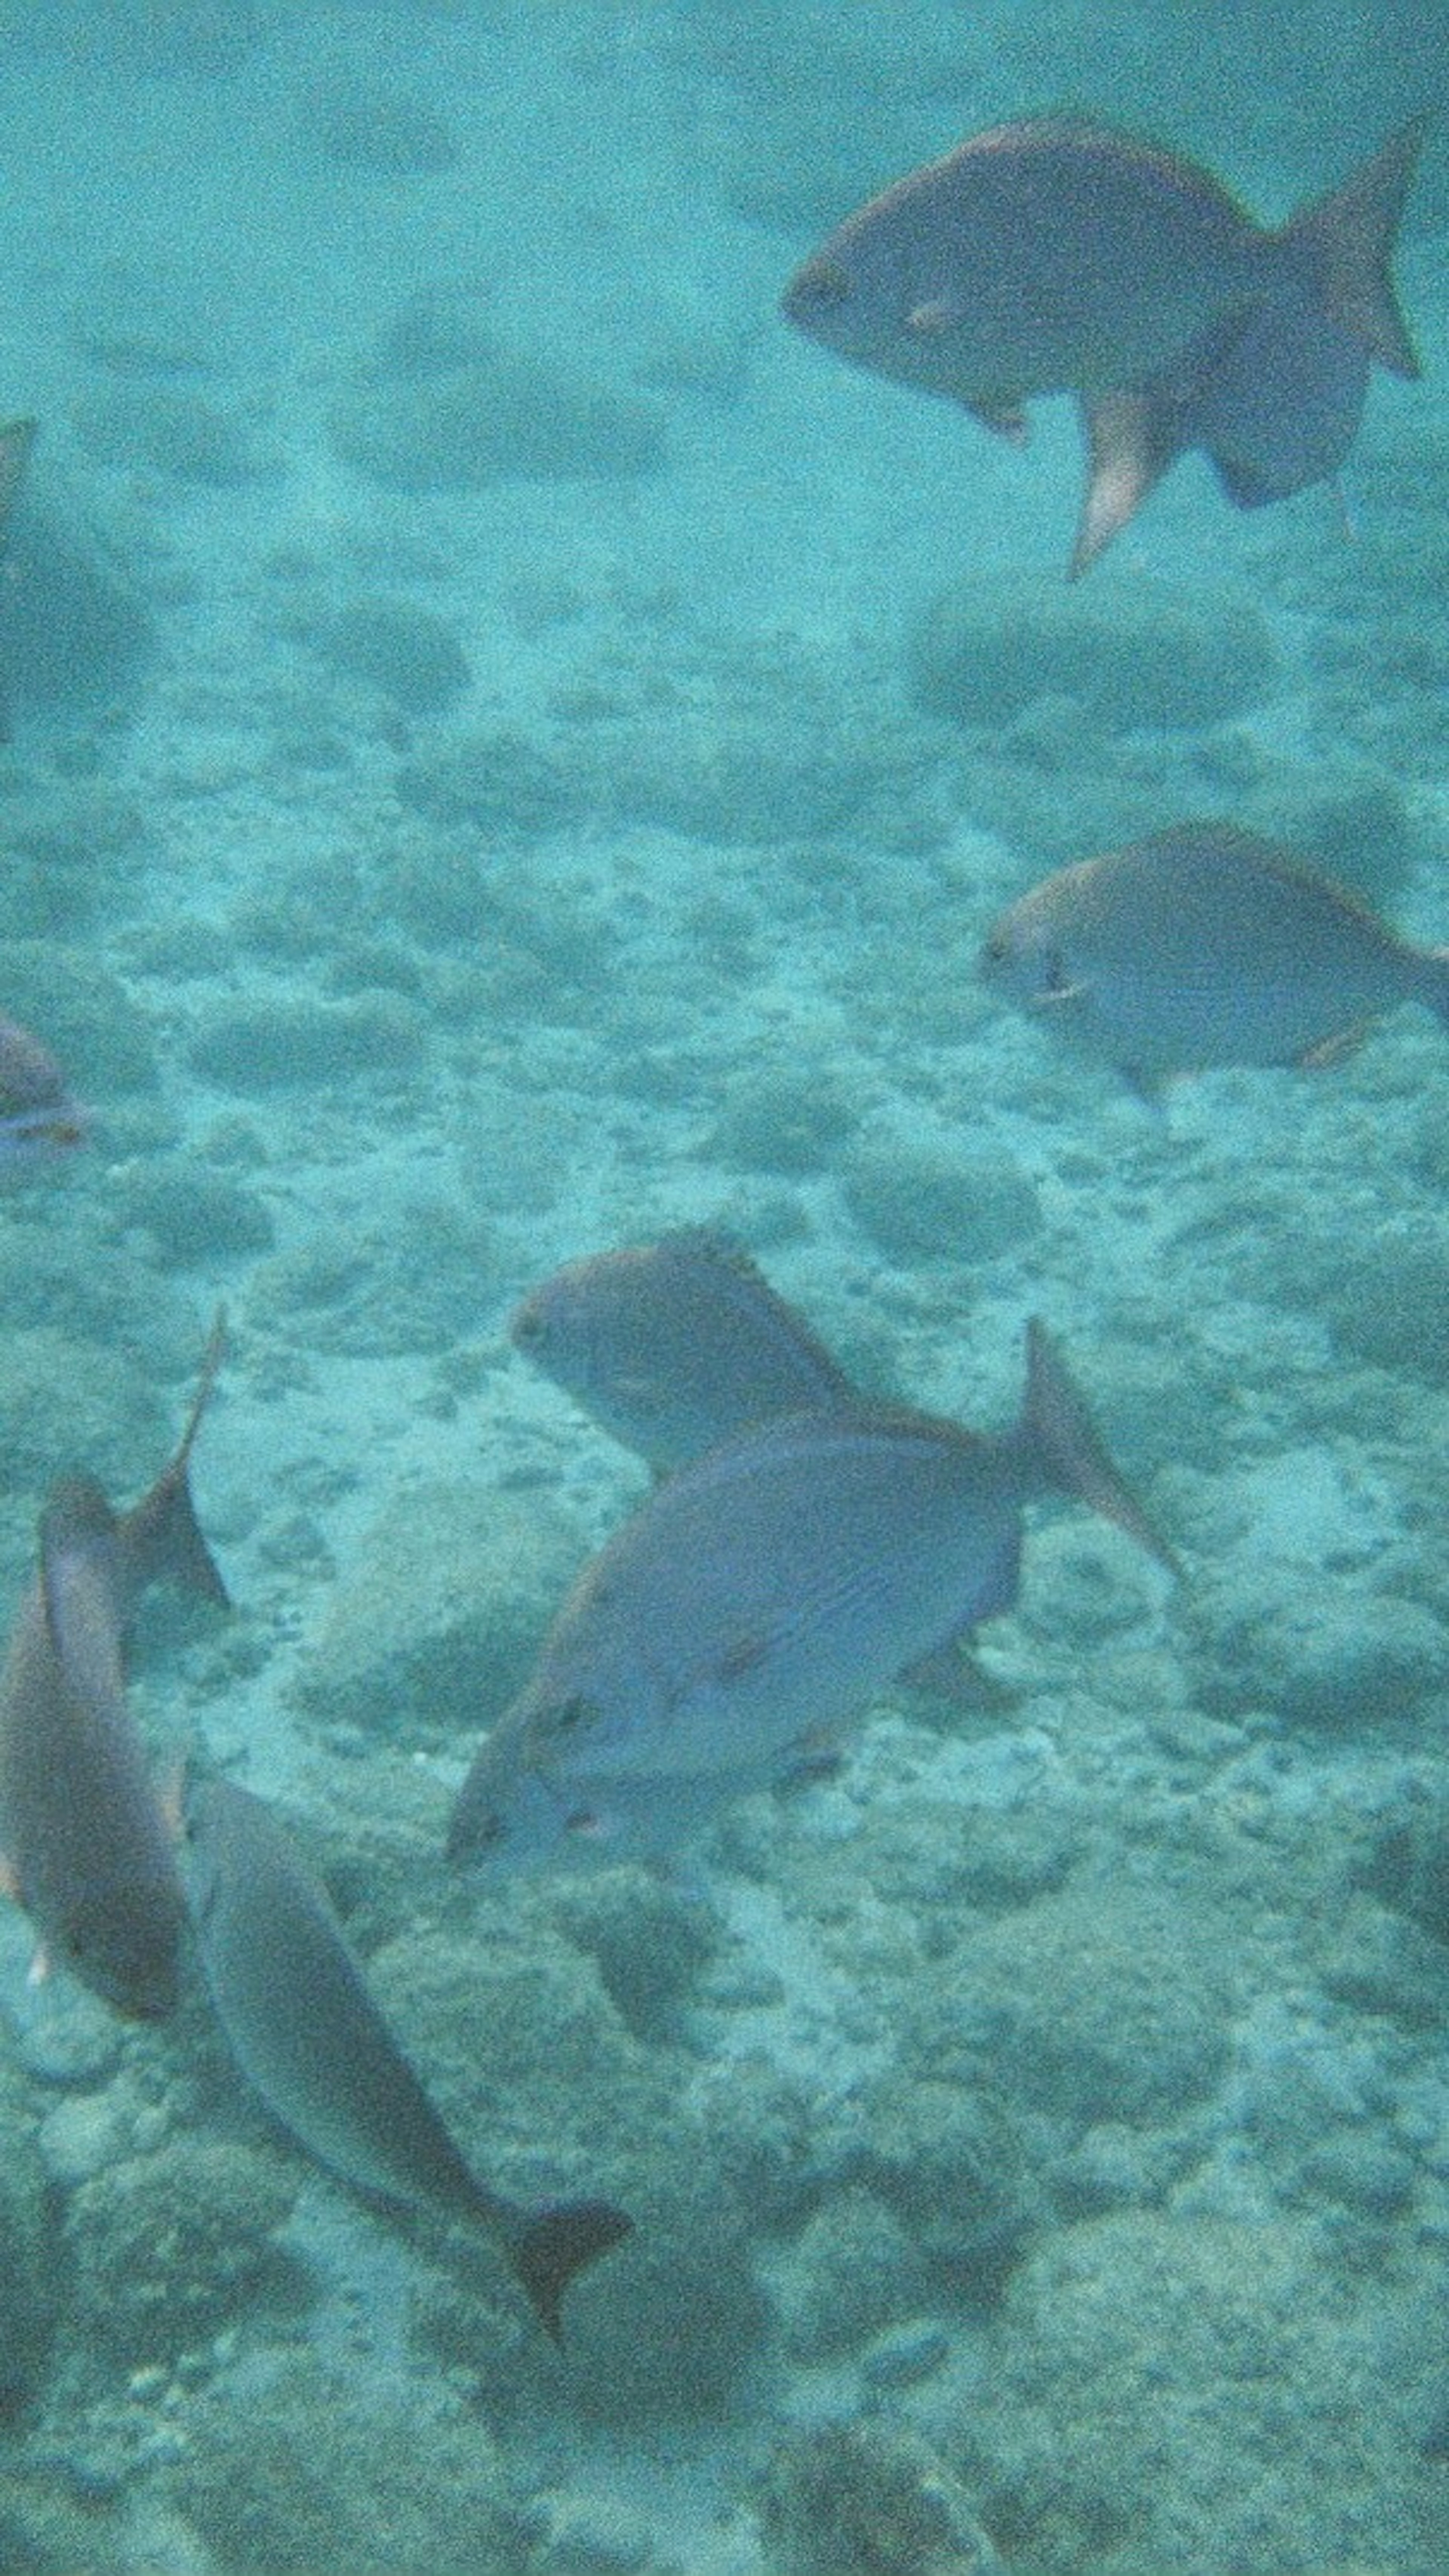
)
(1004, 419)
(951, 1672)
(1132, 438)
(556, 2243)
(1327, 1052)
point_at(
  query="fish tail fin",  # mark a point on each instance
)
(1131, 440)
(1060, 1433)
(1349, 237)
(559, 2240)
(162, 1534)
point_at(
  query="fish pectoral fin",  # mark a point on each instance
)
(1052, 996)
(41, 1968)
(1132, 438)
(10, 1880)
(1004, 420)
(937, 313)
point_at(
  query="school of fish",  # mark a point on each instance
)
(806, 1547)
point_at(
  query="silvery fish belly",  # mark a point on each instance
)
(759, 1599)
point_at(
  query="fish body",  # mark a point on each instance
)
(1058, 255)
(676, 1345)
(760, 1599)
(311, 2038)
(1203, 946)
(88, 1851)
(39, 1119)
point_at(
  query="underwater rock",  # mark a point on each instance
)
(86, 1016)
(195, 1216)
(1333, 1654)
(71, 851)
(947, 2161)
(852, 2272)
(649, 1938)
(410, 1280)
(405, 652)
(32, 2281)
(170, 2247)
(1103, 2000)
(285, 1037)
(500, 418)
(1133, 654)
(869, 2499)
(1155, 2395)
(312, 2467)
(389, 133)
(438, 1616)
(922, 1196)
(789, 1116)
(190, 437)
(72, 633)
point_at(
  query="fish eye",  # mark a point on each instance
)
(527, 1326)
(994, 948)
(1055, 978)
(571, 1713)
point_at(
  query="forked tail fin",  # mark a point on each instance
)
(1349, 237)
(1069, 1448)
(556, 2242)
(160, 1535)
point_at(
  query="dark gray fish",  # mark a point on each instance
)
(1204, 946)
(762, 1597)
(673, 1346)
(307, 2032)
(1057, 255)
(88, 1850)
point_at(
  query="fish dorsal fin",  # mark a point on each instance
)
(1132, 438)
(1349, 237)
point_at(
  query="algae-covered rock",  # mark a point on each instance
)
(285, 1037)
(1159, 2393)
(406, 652)
(1128, 651)
(1102, 2000)
(31, 2279)
(922, 1196)
(439, 1615)
(499, 417)
(870, 2499)
(171, 2248)
(304, 2470)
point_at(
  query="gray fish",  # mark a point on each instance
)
(88, 1851)
(763, 1597)
(1204, 946)
(1057, 255)
(673, 1346)
(307, 2032)
(39, 1118)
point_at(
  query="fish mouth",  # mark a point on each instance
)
(821, 286)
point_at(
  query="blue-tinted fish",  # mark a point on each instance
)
(1057, 255)
(1204, 946)
(673, 1346)
(87, 1849)
(39, 1119)
(761, 1597)
(307, 2031)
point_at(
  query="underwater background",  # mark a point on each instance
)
(512, 752)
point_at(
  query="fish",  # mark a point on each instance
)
(311, 2038)
(39, 1119)
(1058, 254)
(88, 1850)
(675, 1345)
(759, 1600)
(1204, 946)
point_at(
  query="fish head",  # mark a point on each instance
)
(123, 1942)
(868, 294)
(530, 1822)
(1026, 958)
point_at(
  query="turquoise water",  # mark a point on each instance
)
(512, 751)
